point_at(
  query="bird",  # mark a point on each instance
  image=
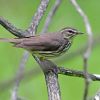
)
(46, 45)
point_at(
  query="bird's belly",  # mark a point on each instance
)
(51, 54)
(66, 47)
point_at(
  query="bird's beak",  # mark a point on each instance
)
(78, 33)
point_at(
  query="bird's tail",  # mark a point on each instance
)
(14, 41)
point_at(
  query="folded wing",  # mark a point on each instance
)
(38, 43)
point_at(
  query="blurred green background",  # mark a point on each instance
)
(20, 13)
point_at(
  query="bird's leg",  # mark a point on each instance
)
(42, 58)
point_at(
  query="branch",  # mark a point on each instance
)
(37, 17)
(33, 27)
(19, 74)
(27, 76)
(74, 73)
(19, 33)
(50, 15)
(89, 47)
(12, 29)
(97, 96)
(51, 77)
(53, 86)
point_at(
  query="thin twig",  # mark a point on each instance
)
(50, 15)
(97, 96)
(88, 50)
(75, 73)
(19, 33)
(27, 76)
(19, 74)
(37, 17)
(12, 29)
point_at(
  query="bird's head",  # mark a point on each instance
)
(69, 32)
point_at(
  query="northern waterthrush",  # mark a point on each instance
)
(46, 45)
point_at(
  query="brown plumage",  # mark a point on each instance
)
(46, 45)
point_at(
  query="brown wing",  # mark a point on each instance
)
(39, 43)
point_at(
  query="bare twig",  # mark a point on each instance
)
(88, 50)
(37, 17)
(27, 76)
(19, 74)
(12, 29)
(70, 72)
(50, 15)
(19, 33)
(97, 96)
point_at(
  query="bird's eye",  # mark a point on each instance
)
(70, 31)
